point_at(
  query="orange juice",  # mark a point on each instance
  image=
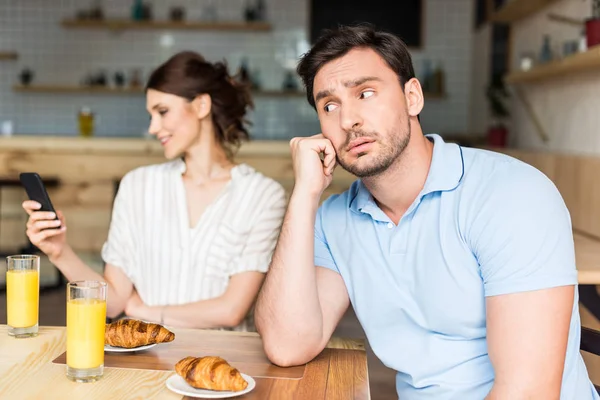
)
(86, 321)
(22, 298)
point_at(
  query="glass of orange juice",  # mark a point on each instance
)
(22, 295)
(86, 322)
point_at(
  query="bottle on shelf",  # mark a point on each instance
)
(426, 76)
(546, 50)
(289, 82)
(261, 10)
(249, 12)
(244, 72)
(86, 122)
(439, 78)
(582, 45)
(137, 10)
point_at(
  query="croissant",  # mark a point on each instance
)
(130, 333)
(212, 373)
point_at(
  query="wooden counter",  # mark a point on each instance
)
(88, 170)
(117, 145)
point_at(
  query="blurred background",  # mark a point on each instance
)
(62, 46)
(515, 76)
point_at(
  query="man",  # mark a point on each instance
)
(459, 262)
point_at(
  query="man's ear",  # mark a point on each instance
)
(202, 105)
(414, 97)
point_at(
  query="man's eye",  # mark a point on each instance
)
(367, 94)
(329, 107)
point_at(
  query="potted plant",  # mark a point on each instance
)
(496, 92)
(592, 25)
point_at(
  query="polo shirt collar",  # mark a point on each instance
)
(445, 173)
(447, 166)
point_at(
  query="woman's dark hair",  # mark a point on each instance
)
(336, 43)
(188, 74)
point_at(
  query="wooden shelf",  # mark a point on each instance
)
(57, 89)
(75, 89)
(126, 90)
(129, 24)
(515, 10)
(8, 55)
(579, 62)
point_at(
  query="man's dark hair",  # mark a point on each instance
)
(338, 42)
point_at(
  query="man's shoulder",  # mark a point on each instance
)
(485, 161)
(501, 185)
(493, 171)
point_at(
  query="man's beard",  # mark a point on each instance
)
(389, 152)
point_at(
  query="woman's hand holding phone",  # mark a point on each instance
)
(44, 231)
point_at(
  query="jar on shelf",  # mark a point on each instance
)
(86, 122)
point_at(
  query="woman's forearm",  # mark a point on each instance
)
(203, 314)
(74, 269)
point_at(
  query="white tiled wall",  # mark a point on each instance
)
(448, 38)
(567, 106)
(64, 56)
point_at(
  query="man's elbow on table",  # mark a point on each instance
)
(290, 355)
(287, 350)
(284, 345)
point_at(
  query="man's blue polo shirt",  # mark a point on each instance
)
(485, 224)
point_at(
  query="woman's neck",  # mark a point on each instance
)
(207, 160)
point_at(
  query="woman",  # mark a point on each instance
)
(190, 239)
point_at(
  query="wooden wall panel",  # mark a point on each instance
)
(589, 196)
(72, 168)
(83, 194)
(566, 180)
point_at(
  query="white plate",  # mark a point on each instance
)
(112, 349)
(178, 385)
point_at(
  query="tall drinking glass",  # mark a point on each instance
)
(86, 321)
(22, 295)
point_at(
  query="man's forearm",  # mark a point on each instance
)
(288, 312)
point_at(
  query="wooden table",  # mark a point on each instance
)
(33, 368)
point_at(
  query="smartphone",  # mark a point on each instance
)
(36, 190)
